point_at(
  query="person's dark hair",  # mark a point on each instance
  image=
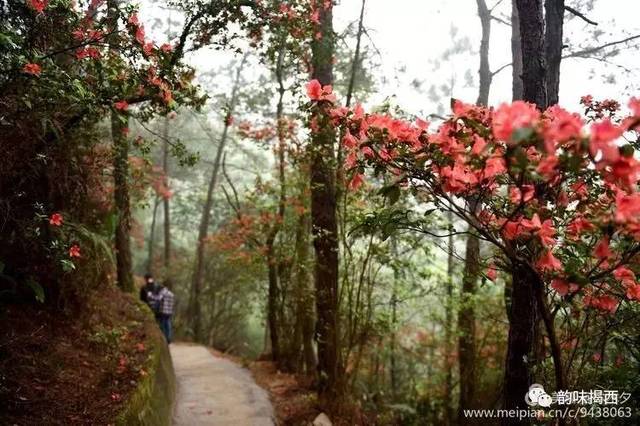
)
(168, 283)
(147, 276)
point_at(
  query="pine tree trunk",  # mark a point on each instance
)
(197, 282)
(448, 332)
(304, 299)
(484, 71)
(119, 122)
(165, 200)
(272, 303)
(516, 54)
(466, 315)
(524, 315)
(522, 332)
(323, 218)
(554, 21)
(467, 326)
(272, 262)
(152, 235)
(122, 206)
(534, 68)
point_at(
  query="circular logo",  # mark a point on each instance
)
(537, 396)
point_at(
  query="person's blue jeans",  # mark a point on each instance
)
(165, 326)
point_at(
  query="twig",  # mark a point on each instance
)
(586, 52)
(493, 73)
(579, 15)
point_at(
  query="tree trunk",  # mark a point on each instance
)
(323, 218)
(467, 326)
(272, 303)
(393, 374)
(448, 382)
(466, 315)
(484, 71)
(516, 54)
(152, 235)
(272, 262)
(121, 193)
(198, 270)
(554, 10)
(305, 311)
(165, 200)
(534, 69)
(356, 56)
(119, 122)
(522, 332)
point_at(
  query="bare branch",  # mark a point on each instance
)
(589, 51)
(505, 66)
(495, 5)
(579, 15)
(502, 21)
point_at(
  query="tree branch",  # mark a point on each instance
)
(493, 73)
(586, 52)
(579, 15)
(502, 21)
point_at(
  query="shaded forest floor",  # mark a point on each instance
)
(73, 368)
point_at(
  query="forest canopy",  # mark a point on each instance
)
(416, 212)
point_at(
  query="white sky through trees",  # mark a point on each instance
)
(412, 37)
(415, 33)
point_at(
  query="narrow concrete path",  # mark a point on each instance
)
(214, 391)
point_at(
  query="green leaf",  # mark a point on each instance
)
(521, 134)
(391, 193)
(67, 265)
(38, 291)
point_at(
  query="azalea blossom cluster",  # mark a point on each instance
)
(302, 16)
(548, 189)
(93, 39)
(56, 220)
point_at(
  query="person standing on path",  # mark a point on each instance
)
(147, 287)
(165, 311)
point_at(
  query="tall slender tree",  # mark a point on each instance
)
(516, 54)
(448, 382)
(323, 214)
(195, 314)
(534, 66)
(524, 315)
(166, 226)
(554, 22)
(272, 261)
(119, 125)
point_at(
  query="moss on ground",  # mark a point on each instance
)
(151, 404)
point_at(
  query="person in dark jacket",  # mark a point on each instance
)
(147, 287)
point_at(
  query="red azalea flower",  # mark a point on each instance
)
(88, 52)
(166, 47)
(633, 292)
(38, 5)
(510, 117)
(548, 262)
(74, 251)
(121, 105)
(167, 97)
(133, 19)
(492, 273)
(140, 35)
(55, 219)
(33, 69)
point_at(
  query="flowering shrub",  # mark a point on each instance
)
(548, 193)
(66, 65)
